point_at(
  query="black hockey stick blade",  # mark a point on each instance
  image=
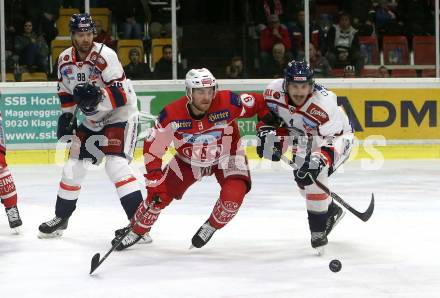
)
(95, 262)
(364, 216)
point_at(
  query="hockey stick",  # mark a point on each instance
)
(75, 113)
(96, 259)
(364, 216)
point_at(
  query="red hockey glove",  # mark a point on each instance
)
(156, 186)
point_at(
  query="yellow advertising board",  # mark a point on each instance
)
(396, 114)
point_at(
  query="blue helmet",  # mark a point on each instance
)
(82, 22)
(298, 71)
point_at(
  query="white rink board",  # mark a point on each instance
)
(263, 252)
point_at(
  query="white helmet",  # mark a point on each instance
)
(199, 78)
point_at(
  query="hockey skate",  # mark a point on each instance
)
(203, 235)
(145, 239)
(14, 218)
(129, 240)
(335, 214)
(319, 241)
(53, 228)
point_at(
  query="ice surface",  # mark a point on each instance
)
(263, 252)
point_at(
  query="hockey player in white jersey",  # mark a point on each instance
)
(91, 77)
(319, 134)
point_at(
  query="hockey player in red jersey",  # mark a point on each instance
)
(206, 137)
(320, 136)
(8, 193)
(91, 78)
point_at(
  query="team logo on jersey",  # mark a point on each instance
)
(66, 58)
(203, 153)
(219, 116)
(68, 73)
(309, 125)
(317, 113)
(206, 138)
(276, 95)
(181, 124)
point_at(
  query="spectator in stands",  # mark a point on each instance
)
(44, 14)
(32, 49)
(274, 33)
(260, 10)
(274, 67)
(130, 16)
(320, 65)
(235, 70)
(386, 19)
(383, 72)
(417, 16)
(349, 71)
(136, 69)
(343, 45)
(163, 70)
(296, 34)
(102, 36)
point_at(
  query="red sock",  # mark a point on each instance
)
(231, 197)
(8, 193)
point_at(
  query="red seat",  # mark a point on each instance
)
(395, 50)
(338, 72)
(428, 73)
(403, 73)
(369, 49)
(424, 49)
(370, 73)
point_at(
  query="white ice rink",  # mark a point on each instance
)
(264, 252)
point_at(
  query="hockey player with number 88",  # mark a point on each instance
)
(91, 77)
(320, 136)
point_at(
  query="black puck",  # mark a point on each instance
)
(335, 265)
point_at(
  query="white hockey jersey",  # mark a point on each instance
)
(320, 116)
(119, 102)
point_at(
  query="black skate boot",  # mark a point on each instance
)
(145, 239)
(53, 228)
(335, 214)
(130, 239)
(203, 235)
(319, 241)
(13, 217)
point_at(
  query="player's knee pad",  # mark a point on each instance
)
(74, 172)
(317, 202)
(8, 193)
(226, 207)
(120, 173)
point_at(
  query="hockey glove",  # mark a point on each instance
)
(269, 145)
(156, 187)
(64, 126)
(312, 166)
(87, 97)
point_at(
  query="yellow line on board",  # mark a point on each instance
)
(416, 151)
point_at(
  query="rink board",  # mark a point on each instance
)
(403, 113)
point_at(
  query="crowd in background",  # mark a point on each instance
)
(277, 27)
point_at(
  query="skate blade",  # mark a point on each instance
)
(55, 234)
(16, 230)
(145, 240)
(320, 250)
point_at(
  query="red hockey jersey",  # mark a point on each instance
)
(206, 141)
